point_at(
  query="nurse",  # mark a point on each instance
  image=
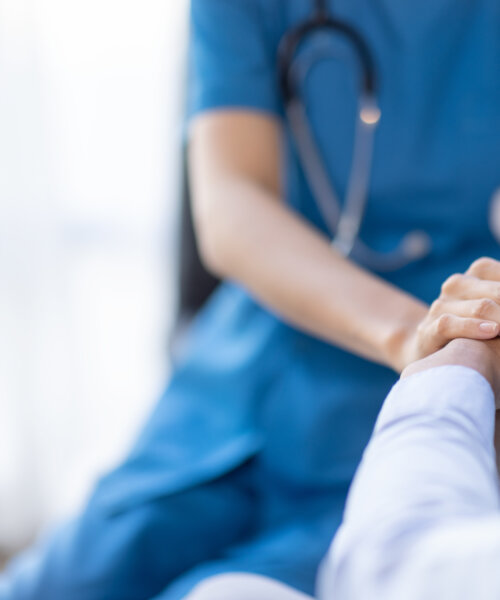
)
(246, 461)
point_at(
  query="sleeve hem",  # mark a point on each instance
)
(234, 96)
(438, 392)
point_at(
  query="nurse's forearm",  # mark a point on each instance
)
(246, 233)
(256, 240)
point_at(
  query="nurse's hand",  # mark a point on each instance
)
(468, 307)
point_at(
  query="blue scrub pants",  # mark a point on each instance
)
(243, 466)
(163, 547)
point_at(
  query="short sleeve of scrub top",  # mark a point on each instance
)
(232, 57)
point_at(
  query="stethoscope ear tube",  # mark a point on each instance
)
(321, 21)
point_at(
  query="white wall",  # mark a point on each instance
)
(90, 132)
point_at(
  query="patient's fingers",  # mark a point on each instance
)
(467, 287)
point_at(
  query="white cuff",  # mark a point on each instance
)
(440, 391)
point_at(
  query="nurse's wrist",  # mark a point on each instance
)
(398, 347)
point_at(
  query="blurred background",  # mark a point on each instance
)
(91, 126)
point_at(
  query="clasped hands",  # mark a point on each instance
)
(467, 307)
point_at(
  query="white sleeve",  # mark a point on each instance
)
(422, 520)
(244, 586)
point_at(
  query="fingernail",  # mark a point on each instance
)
(488, 327)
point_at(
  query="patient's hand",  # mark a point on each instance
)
(483, 357)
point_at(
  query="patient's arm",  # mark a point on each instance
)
(422, 519)
(483, 357)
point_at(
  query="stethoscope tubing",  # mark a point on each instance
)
(344, 224)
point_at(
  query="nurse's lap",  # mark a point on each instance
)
(133, 554)
(288, 555)
(165, 547)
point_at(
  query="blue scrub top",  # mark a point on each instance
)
(250, 384)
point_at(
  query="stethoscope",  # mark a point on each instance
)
(343, 223)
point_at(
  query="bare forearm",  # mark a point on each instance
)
(247, 234)
(292, 268)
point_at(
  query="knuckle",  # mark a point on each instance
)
(480, 265)
(436, 308)
(451, 284)
(443, 323)
(483, 308)
(422, 328)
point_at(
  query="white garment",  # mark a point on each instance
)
(422, 520)
(241, 586)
